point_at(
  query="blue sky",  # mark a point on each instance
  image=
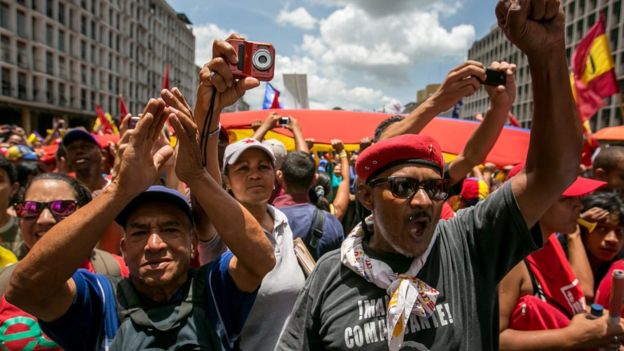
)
(358, 54)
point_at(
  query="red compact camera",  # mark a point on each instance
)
(254, 59)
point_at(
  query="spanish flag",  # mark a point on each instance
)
(593, 73)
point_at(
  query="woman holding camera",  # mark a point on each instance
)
(249, 175)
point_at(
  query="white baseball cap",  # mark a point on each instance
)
(234, 150)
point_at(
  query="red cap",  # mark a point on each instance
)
(581, 186)
(470, 189)
(403, 149)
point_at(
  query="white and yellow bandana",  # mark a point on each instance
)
(408, 294)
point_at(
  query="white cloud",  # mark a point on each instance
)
(385, 48)
(326, 87)
(299, 18)
(359, 50)
(204, 36)
(377, 8)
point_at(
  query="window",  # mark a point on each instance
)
(614, 38)
(6, 82)
(83, 74)
(4, 15)
(61, 13)
(5, 47)
(22, 55)
(83, 25)
(21, 86)
(21, 24)
(49, 63)
(50, 8)
(50, 91)
(61, 40)
(49, 35)
(62, 97)
(83, 49)
(62, 68)
(617, 10)
(83, 99)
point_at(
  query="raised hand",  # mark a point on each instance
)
(463, 80)
(137, 164)
(188, 158)
(535, 26)
(216, 75)
(503, 96)
(337, 145)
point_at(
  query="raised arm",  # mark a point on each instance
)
(460, 82)
(485, 136)
(215, 77)
(269, 123)
(51, 263)
(537, 28)
(238, 229)
(300, 142)
(341, 200)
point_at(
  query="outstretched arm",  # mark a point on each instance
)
(485, 136)
(537, 28)
(268, 124)
(62, 250)
(238, 229)
(341, 200)
(460, 82)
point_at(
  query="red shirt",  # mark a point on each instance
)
(603, 294)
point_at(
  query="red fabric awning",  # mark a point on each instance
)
(350, 127)
(610, 134)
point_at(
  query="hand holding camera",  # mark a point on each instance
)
(254, 60)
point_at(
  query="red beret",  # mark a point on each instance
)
(403, 149)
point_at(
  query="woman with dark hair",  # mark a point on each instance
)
(46, 200)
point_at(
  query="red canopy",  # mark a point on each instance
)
(350, 127)
(610, 134)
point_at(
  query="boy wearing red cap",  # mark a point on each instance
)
(404, 279)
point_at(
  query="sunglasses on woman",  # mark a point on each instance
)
(405, 187)
(32, 209)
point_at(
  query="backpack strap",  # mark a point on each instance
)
(5, 277)
(316, 231)
(104, 263)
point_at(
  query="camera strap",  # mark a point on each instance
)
(203, 140)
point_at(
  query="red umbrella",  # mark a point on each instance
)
(350, 127)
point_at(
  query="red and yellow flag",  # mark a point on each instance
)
(593, 73)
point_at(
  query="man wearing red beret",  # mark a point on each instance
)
(405, 280)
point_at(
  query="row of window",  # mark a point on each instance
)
(59, 37)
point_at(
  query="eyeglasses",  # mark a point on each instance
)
(32, 209)
(405, 188)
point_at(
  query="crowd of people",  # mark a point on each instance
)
(143, 241)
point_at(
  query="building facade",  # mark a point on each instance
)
(60, 58)
(580, 17)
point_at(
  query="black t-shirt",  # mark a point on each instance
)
(339, 310)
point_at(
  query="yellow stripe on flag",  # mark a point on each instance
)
(599, 60)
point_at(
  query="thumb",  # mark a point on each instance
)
(162, 155)
(245, 84)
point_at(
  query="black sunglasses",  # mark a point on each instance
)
(32, 209)
(405, 187)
